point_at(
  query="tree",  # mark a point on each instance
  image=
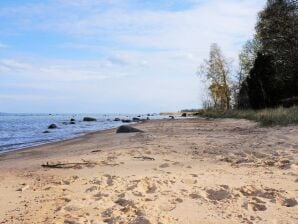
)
(247, 58)
(262, 83)
(277, 30)
(216, 70)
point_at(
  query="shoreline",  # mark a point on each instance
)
(70, 138)
(176, 171)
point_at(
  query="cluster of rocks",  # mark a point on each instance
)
(134, 119)
(92, 119)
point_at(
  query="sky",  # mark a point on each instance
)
(114, 56)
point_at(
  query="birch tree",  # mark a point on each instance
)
(216, 71)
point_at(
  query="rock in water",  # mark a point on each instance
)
(89, 119)
(126, 121)
(136, 119)
(127, 129)
(72, 120)
(117, 119)
(52, 126)
(183, 115)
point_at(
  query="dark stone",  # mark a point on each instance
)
(72, 120)
(172, 117)
(126, 121)
(148, 118)
(117, 119)
(183, 115)
(135, 119)
(52, 126)
(89, 119)
(127, 129)
(46, 132)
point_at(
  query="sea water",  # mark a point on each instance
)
(19, 131)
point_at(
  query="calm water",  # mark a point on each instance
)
(24, 130)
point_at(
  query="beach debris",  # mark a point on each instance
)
(69, 165)
(127, 129)
(52, 126)
(288, 202)
(89, 119)
(25, 187)
(98, 150)
(126, 121)
(144, 157)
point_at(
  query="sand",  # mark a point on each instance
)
(177, 171)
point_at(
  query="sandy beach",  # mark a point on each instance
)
(177, 171)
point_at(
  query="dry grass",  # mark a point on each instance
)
(266, 117)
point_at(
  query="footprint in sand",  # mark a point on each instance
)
(257, 206)
(91, 189)
(218, 194)
(189, 181)
(164, 165)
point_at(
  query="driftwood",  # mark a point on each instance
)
(144, 157)
(68, 165)
(96, 151)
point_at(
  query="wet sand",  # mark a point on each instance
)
(176, 171)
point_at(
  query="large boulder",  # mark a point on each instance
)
(52, 126)
(89, 119)
(127, 129)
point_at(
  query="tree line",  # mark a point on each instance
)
(267, 74)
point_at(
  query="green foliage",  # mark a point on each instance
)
(273, 78)
(266, 117)
(277, 30)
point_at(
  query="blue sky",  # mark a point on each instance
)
(113, 55)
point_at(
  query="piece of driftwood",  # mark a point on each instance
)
(68, 165)
(96, 150)
(144, 157)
